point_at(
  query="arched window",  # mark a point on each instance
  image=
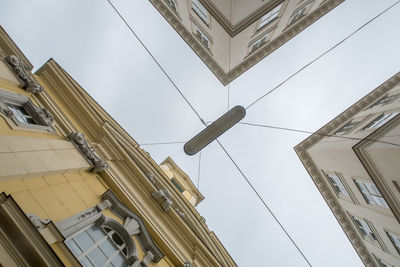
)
(105, 243)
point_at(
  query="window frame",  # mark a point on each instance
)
(41, 116)
(381, 120)
(370, 197)
(197, 7)
(294, 18)
(202, 37)
(260, 42)
(336, 187)
(351, 125)
(391, 236)
(118, 250)
(271, 13)
(364, 229)
(173, 5)
(386, 99)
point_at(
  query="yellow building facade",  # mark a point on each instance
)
(75, 188)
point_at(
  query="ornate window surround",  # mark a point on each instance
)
(41, 115)
(133, 225)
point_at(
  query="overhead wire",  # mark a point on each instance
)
(320, 56)
(253, 103)
(318, 133)
(264, 203)
(156, 61)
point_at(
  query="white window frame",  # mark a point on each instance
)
(382, 263)
(349, 126)
(371, 193)
(388, 98)
(202, 37)
(269, 16)
(381, 120)
(337, 184)
(260, 42)
(118, 250)
(364, 228)
(395, 239)
(299, 14)
(201, 11)
(173, 5)
(42, 117)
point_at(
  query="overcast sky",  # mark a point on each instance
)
(95, 47)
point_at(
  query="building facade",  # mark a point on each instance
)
(230, 36)
(354, 162)
(76, 189)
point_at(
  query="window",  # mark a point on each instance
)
(371, 193)
(337, 184)
(395, 240)
(202, 37)
(381, 120)
(297, 15)
(349, 126)
(384, 264)
(259, 43)
(177, 185)
(98, 246)
(270, 16)
(200, 10)
(23, 112)
(172, 5)
(364, 228)
(385, 100)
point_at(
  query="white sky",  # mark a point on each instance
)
(94, 46)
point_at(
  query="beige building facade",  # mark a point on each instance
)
(76, 189)
(231, 36)
(354, 162)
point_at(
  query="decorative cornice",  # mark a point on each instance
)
(79, 140)
(231, 29)
(29, 83)
(251, 60)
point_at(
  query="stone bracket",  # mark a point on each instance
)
(29, 83)
(79, 140)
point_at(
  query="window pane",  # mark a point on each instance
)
(107, 247)
(118, 260)
(83, 240)
(118, 241)
(96, 233)
(73, 247)
(97, 257)
(85, 262)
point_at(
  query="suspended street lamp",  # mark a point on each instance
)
(214, 130)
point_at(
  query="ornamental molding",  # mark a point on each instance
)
(80, 141)
(143, 235)
(164, 197)
(29, 83)
(42, 116)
